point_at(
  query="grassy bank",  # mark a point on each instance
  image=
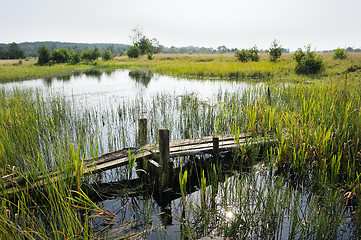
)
(14, 72)
(208, 66)
(227, 67)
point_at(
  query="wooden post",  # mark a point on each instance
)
(142, 134)
(215, 147)
(164, 156)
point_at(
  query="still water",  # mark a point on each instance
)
(114, 86)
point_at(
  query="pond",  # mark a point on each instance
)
(96, 87)
(236, 200)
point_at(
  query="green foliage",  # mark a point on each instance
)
(74, 57)
(339, 53)
(144, 44)
(44, 55)
(15, 51)
(96, 53)
(275, 51)
(246, 55)
(308, 62)
(107, 55)
(91, 55)
(242, 55)
(150, 55)
(133, 52)
(60, 55)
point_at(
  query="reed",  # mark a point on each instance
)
(317, 139)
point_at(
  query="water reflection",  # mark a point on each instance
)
(96, 73)
(141, 77)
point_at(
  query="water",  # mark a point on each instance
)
(95, 87)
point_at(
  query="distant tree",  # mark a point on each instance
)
(144, 45)
(91, 55)
(339, 53)
(133, 52)
(242, 55)
(74, 57)
(156, 47)
(107, 55)
(44, 55)
(307, 62)
(3, 53)
(60, 55)
(222, 49)
(87, 55)
(275, 51)
(96, 53)
(254, 57)
(136, 35)
(245, 55)
(112, 49)
(15, 51)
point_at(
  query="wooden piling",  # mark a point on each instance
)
(215, 141)
(142, 134)
(164, 155)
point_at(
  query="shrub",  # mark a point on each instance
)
(339, 53)
(43, 55)
(133, 52)
(242, 55)
(107, 55)
(90, 55)
(74, 57)
(246, 55)
(150, 55)
(61, 55)
(275, 51)
(308, 62)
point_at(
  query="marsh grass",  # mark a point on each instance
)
(317, 139)
(31, 71)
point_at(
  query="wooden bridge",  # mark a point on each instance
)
(156, 156)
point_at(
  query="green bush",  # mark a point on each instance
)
(60, 55)
(246, 55)
(44, 55)
(74, 57)
(107, 55)
(339, 53)
(308, 62)
(133, 52)
(150, 55)
(275, 51)
(91, 55)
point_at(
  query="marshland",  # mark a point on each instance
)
(305, 185)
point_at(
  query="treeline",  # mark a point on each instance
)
(63, 55)
(31, 48)
(13, 51)
(203, 50)
(349, 49)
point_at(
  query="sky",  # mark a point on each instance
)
(325, 24)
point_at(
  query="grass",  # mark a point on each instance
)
(192, 66)
(10, 72)
(320, 145)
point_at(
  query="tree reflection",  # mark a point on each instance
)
(141, 77)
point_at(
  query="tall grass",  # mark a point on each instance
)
(317, 139)
(31, 71)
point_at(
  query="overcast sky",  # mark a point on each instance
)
(326, 24)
